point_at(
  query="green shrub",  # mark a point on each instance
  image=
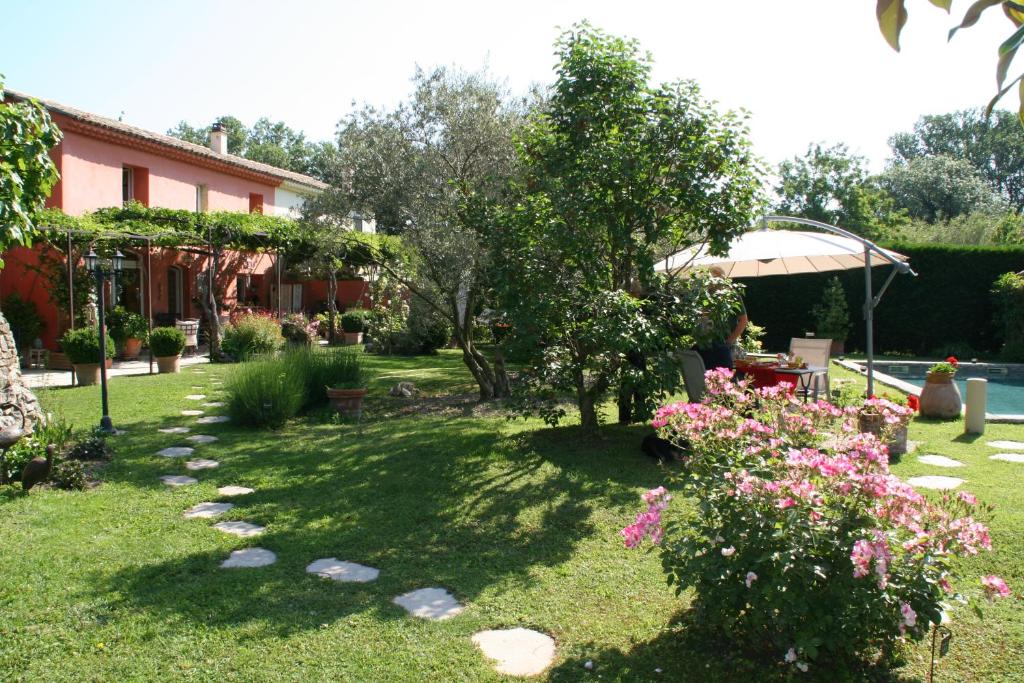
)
(318, 369)
(92, 447)
(82, 345)
(69, 475)
(124, 324)
(832, 315)
(252, 335)
(166, 341)
(1008, 293)
(263, 393)
(23, 317)
(55, 430)
(354, 321)
(297, 329)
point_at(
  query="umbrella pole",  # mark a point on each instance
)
(869, 310)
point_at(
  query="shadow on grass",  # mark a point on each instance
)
(429, 502)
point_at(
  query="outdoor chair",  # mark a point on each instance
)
(815, 352)
(693, 375)
(190, 328)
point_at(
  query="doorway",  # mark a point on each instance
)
(175, 293)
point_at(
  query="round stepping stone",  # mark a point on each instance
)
(243, 529)
(176, 451)
(1008, 457)
(200, 388)
(199, 372)
(195, 397)
(332, 568)
(1010, 445)
(212, 419)
(214, 404)
(517, 651)
(429, 603)
(206, 510)
(192, 413)
(201, 438)
(178, 480)
(939, 461)
(201, 464)
(174, 430)
(234, 491)
(249, 557)
(933, 481)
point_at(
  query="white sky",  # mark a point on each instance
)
(807, 70)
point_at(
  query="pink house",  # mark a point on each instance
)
(106, 163)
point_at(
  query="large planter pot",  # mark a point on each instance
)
(872, 423)
(132, 347)
(940, 396)
(347, 402)
(88, 374)
(352, 338)
(168, 364)
(837, 348)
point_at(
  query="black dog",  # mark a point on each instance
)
(660, 449)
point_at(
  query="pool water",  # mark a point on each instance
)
(1005, 396)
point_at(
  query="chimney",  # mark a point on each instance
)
(218, 138)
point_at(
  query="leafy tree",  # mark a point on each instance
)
(428, 170)
(940, 188)
(830, 185)
(994, 145)
(614, 167)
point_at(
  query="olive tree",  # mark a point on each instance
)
(616, 172)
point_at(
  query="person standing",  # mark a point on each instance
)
(719, 353)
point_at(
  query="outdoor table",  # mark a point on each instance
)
(771, 374)
(802, 378)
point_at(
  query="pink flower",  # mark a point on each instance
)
(909, 615)
(968, 498)
(786, 502)
(790, 656)
(728, 552)
(995, 586)
(751, 578)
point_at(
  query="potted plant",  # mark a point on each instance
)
(297, 329)
(348, 388)
(82, 346)
(129, 331)
(353, 323)
(888, 421)
(166, 344)
(940, 396)
(832, 317)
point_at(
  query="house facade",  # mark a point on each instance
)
(106, 163)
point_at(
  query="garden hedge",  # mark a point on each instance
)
(947, 309)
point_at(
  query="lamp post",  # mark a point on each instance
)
(100, 269)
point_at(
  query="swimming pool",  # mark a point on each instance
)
(1005, 396)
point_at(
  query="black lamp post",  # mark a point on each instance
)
(101, 268)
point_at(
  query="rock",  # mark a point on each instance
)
(214, 404)
(176, 451)
(933, 481)
(518, 651)
(201, 464)
(12, 386)
(939, 461)
(234, 491)
(174, 430)
(249, 557)
(243, 529)
(337, 570)
(429, 603)
(1009, 445)
(191, 413)
(213, 419)
(404, 390)
(207, 510)
(178, 480)
(1008, 457)
(201, 438)
(195, 397)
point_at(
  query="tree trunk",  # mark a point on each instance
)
(501, 386)
(210, 308)
(588, 412)
(332, 305)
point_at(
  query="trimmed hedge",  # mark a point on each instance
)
(947, 309)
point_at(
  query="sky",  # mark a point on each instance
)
(807, 71)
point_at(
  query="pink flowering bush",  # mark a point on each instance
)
(803, 546)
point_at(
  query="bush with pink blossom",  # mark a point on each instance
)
(802, 547)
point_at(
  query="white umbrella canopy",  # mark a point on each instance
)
(780, 252)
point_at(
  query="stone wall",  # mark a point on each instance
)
(12, 388)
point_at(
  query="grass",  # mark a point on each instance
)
(518, 521)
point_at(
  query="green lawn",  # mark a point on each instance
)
(520, 522)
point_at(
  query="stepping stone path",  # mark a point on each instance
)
(429, 603)
(1008, 457)
(176, 451)
(337, 570)
(939, 461)
(1009, 445)
(201, 464)
(935, 482)
(207, 510)
(201, 438)
(174, 430)
(214, 404)
(518, 651)
(178, 480)
(192, 413)
(249, 557)
(212, 419)
(195, 387)
(199, 372)
(243, 529)
(234, 491)
(195, 397)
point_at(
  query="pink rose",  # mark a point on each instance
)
(995, 586)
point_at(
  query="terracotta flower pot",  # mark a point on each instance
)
(940, 396)
(353, 338)
(88, 374)
(132, 347)
(168, 364)
(347, 402)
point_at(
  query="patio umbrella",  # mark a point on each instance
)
(764, 252)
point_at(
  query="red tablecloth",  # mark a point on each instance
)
(762, 375)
